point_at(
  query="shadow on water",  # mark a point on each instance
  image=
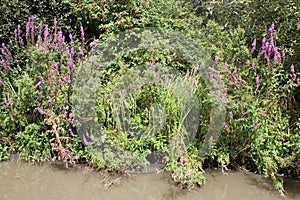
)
(20, 180)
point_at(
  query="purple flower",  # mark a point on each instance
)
(292, 69)
(67, 51)
(196, 69)
(71, 39)
(3, 50)
(253, 45)
(27, 29)
(234, 70)
(50, 101)
(46, 33)
(32, 24)
(298, 81)
(72, 51)
(3, 63)
(71, 133)
(225, 65)
(70, 61)
(60, 37)
(55, 22)
(52, 93)
(82, 34)
(1, 82)
(230, 115)
(271, 29)
(187, 75)
(226, 126)
(216, 59)
(193, 83)
(65, 114)
(41, 81)
(283, 53)
(53, 144)
(68, 78)
(252, 66)
(40, 111)
(257, 81)
(80, 51)
(40, 96)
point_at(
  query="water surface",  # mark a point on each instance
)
(20, 180)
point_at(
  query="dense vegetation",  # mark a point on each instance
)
(255, 50)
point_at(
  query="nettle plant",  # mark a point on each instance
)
(259, 129)
(37, 92)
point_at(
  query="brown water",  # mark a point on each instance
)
(19, 180)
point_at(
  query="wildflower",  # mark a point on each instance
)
(283, 53)
(41, 81)
(40, 96)
(40, 111)
(1, 82)
(3, 50)
(187, 75)
(234, 70)
(71, 133)
(41, 27)
(32, 24)
(52, 93)
(82, 34)
(4, 64)
(60, 37)
(27, 30)
(257, 81)
(216, 59)
(226, 126)
(292, 69)
(80, 51)
(67, 51)
(55, 22)
(53, 144)
(68, 78)
(65, 114)
(193, 83)
(230, 115)
(271, 29)
(252, 66)
(71, 39)
(225, 65)
(196, 69)
(50, 101)
(46, 33)
(298, 81)
(253, 46)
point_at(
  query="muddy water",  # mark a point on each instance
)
(19, 180)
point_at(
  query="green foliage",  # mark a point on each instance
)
(255, 17)
(33, 144)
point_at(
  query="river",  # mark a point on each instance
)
(20, 181)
